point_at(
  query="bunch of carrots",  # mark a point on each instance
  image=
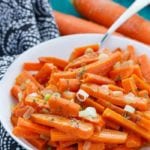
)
(97, 100)
(101, 14)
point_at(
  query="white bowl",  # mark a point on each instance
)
(60, 47)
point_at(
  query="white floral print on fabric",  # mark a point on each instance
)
(23, 24)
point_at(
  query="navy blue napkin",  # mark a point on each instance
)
(23, 24)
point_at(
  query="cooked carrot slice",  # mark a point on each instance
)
(73, 126)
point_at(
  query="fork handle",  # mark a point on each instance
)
(133, 9)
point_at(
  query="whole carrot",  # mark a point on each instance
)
(106, 12)
(68, 24)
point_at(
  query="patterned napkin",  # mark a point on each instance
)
(23, 24)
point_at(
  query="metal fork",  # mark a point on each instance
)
(133, 9)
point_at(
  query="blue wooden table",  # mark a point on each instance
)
(67, 7)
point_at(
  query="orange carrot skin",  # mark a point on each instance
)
(14, 120)
(113, 116)
(69, 84)
(66, 144)
(20, 109)
(66, 75)
(122, 147)
(111, 125)
(26, 76)
(64, 107)
(60, 63)
(121, 73)
(93, 91)
(15, 90)
(145, 66)
(33, 127)
(93, 78)
(37, 103)
(133, 140)
(23, 132)
(44, 74)
(115, 87)
(91, 102)
(129, 85)
(38, 143)
(69, 95)
(141, 84)
(109, 136)
(138, 72)
(87, 58)
(97, 11)
(58, 136)
(103, 68)
(91, 145)
(77, 52)
(68, 24)
(31, 66)
(84, 130)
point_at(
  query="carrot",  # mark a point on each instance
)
(14, 120)
(145, 66)
(20, 109)
(66, 148)
(109, 136)
(143, 93)
(80, 145)
(61, 137)
(121, 73)
(69, 95)
(101, 12)
(68, 24)
(83, 60)
(28, 88)
(73, 126)
(37, 103)
(23, 132)
(53, 144)
(31, 66)
(60, 63)
(33, 127)
(64, 107)
(132, 55)
(44, 73)
(90, 102)
(129, 85)
(77, 52)
(90, 146)
(64, 144)
(106, 104)
(113, 116)
(104, 67)
(115, 88)
(68, 84)
(138, 72)
(52, 87)
(98, 79)
(133, 140)
(15, 90)
(66, 75)
(95, 91)
(27, 77)
(141, 84)
(111, 125)
(122, 147)
(144, 122)
(38, 143)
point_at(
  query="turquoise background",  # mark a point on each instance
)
(67, 7)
